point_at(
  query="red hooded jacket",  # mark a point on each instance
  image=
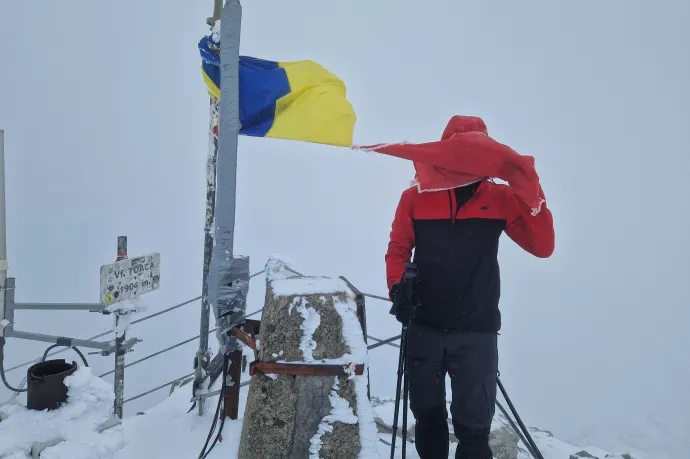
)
(455, 236)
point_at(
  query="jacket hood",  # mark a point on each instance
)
(461, 124)
(466, 154)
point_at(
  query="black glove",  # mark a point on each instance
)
(403, 307)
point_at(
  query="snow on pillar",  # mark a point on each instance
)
(310, 320)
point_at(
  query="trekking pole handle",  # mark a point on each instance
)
(409, 278)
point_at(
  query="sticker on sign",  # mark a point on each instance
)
(130, 278)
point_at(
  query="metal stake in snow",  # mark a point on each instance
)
(119, 343)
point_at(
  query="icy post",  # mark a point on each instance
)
(309, 320)
(123, 314)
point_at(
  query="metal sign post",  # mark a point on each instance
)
(110, 293)
(126, 279)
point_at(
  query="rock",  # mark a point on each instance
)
(504, 443)
(582, 453)
(308, 320)
(545, 432)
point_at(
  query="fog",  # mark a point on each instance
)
(106, 116)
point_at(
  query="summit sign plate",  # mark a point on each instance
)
(130, 278)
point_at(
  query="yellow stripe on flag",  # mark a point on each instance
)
(316, 109)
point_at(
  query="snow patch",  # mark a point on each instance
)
(279, 267)
(354, 338)
(285, 280)
(215, 31)
(352, 329)
(340, 412)
(311, 321)
(168, 431)
(76, 423)
(307, 286)
(292, 305)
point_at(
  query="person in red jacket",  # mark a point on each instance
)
(455, 234)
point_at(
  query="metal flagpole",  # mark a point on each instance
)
(228, 274)
(226, 277)
(3, 233)
(226, 172)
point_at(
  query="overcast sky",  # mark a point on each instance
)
(105, 116)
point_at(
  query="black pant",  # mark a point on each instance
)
(471, 360)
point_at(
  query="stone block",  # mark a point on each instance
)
(308, 320)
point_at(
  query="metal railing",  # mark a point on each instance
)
(388, 341)
(379, 342)
(134, 322)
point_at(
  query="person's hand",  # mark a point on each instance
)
(403, 308)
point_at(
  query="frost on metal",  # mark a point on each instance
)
(124, 314)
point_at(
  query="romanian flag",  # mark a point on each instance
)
(298, 100)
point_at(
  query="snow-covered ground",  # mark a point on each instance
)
(168, 431)
(74, 426)
(76, 430)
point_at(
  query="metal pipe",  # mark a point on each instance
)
(119, 381)
(3, 235)
(221, 184)
(95, 307)
(201, 359)
(11, 333)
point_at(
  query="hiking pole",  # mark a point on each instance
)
(401, 362)
(406, 391)
(517, 418)
(403, 376)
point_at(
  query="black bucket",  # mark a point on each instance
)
(46, 384)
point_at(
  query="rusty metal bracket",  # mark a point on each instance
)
(303, 369)
(245, 337)
(247, 333)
